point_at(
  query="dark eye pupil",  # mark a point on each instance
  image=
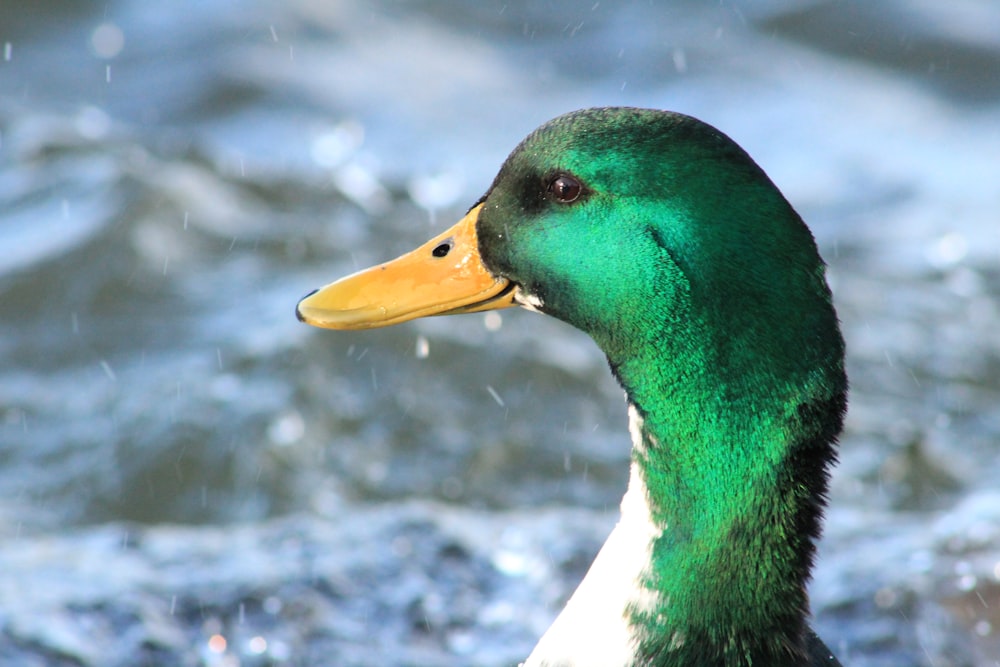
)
(565, 188)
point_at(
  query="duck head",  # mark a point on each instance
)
(648, 230)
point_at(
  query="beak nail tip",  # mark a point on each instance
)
(298, 312)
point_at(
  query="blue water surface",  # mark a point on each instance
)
(188, 475)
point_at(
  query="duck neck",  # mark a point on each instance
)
(734, 471)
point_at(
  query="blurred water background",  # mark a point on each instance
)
(189, 476)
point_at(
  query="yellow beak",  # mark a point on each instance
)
(445, 276)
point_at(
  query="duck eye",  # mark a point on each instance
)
(443, 249)
(565, 188)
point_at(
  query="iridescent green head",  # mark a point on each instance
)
(637, 225)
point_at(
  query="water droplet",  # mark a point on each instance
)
(331, 148)
(948, 250)
(492, 321)
(217, 644)
(107, 41)
(432, 192)
(257, 645)
(92, 123)
(287, 429)
(680, 60)
(361, 186)
(511, 563)
(495, 395)
(967, 582)
(109, 371)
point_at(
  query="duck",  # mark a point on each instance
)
(661, 238)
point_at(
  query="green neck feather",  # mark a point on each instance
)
(735, 483)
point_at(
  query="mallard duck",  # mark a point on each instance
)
(660, 237)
